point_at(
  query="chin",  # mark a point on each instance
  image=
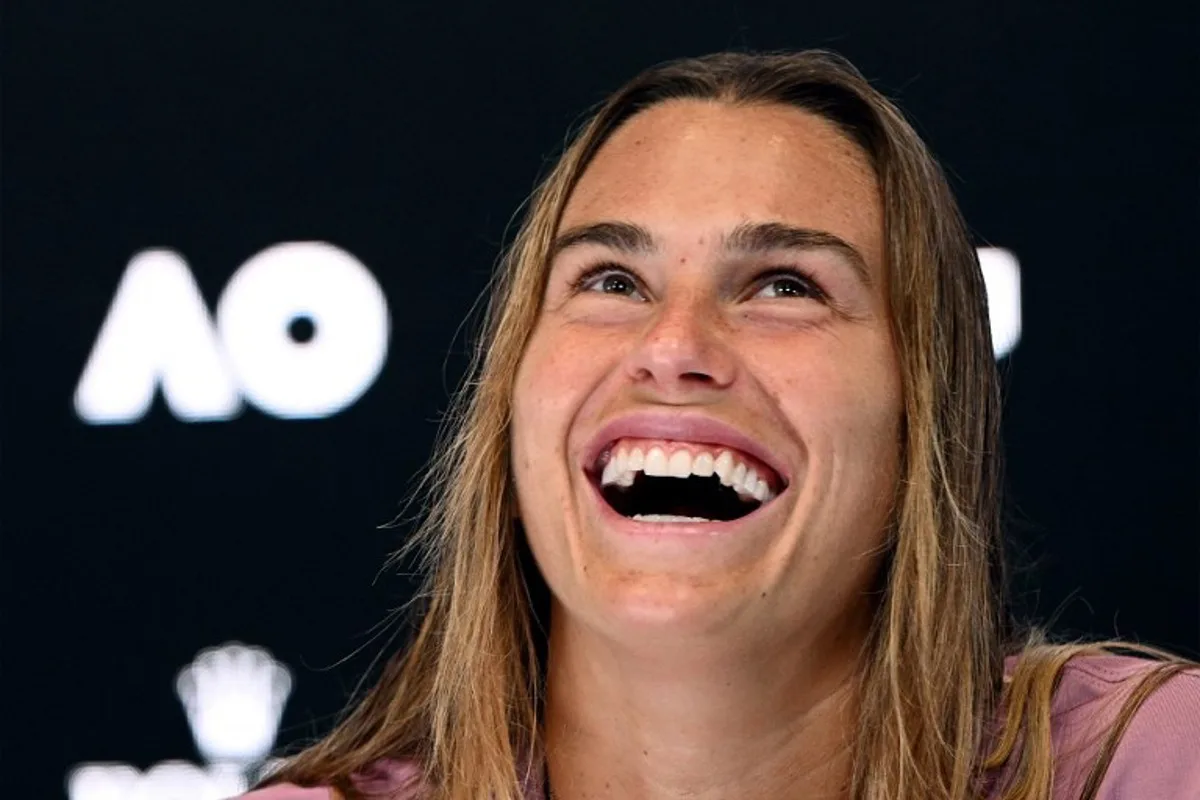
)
(637, 603)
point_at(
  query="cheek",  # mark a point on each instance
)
(562, 364)
(547, 393)
(846, 399)
(867, 424)
(849, 422)
(550, 386)
(541, 387)
(528, 400)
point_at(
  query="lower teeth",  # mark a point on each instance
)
(668, 518)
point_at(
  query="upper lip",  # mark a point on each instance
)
(683, 427)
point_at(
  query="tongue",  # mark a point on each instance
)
(668, 518)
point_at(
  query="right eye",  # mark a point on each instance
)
(608, 279)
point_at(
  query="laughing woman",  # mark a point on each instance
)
(717, 516)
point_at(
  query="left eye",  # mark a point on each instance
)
(787, 285)
(609, 280)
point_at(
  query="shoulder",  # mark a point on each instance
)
(1087, 679)
(288, 791)
(1158, 754)
(386, 779)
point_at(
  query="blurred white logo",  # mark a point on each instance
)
(301, 331)
(168, 780)
(1002, 277)
(234, 697)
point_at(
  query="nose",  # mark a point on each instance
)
(684, 351)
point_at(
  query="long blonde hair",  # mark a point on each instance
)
(464, 697)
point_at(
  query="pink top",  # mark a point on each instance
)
(1158, 757)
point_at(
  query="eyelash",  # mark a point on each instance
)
(589, 276)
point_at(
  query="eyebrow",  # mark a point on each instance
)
(760, 237)
(624, 237)
(749, 238)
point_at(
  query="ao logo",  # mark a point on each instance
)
(234, 697)
(301, 331)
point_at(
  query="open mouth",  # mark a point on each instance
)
(662, 481)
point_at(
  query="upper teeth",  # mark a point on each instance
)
(625, 462)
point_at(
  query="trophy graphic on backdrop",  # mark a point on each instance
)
(234, 697)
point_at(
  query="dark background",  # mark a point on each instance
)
(408, 134)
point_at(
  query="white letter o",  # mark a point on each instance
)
(291, 379)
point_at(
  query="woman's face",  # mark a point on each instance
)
(706, 420)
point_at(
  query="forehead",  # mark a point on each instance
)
(689, 169)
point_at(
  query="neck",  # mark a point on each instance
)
(699, 722)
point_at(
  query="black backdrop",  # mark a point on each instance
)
(407, 135)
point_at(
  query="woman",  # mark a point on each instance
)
(718, 515)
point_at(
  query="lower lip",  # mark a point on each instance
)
(636, 527)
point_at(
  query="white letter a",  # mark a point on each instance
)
(158, 330)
